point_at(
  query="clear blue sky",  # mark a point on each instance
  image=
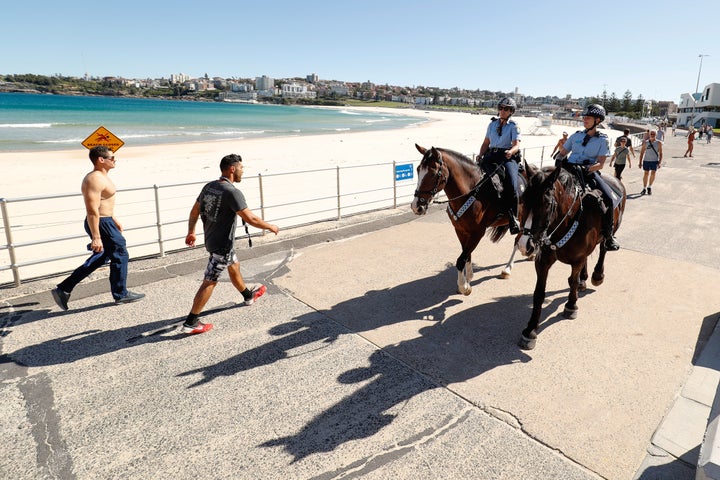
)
(542, 47)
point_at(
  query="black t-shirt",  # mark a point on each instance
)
(219, 203)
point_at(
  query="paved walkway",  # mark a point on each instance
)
(362, 362)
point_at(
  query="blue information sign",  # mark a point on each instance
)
(404, 171)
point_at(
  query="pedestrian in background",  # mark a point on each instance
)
(219, 204)
(628, 141)
(558, 145)
(690, 140)
(650, 159)
(620, 158)
(106, 239)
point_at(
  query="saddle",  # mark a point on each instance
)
(493, 166)
(591, 190)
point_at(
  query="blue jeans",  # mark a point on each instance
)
(114, 249)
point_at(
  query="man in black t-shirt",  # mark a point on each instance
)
(219, 204)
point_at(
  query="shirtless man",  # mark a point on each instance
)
(107, 241)
(558, 145)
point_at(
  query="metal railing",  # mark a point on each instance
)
(37, 242)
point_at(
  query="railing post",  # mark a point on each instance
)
(337, 169)
(8, 237)
(262, 199)
(394, 185)
(161, 243)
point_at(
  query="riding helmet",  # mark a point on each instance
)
(507, 102)
(594, 110)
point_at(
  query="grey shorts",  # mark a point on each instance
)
(217, 264)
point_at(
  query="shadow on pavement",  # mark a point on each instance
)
(451, 348)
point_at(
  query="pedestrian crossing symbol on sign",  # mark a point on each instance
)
(404, 171)
(103, 136)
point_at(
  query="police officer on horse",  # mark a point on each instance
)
(502, 147)
(588, 150)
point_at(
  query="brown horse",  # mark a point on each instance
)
(563, 222)
(473, 204)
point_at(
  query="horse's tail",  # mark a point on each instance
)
(496, 233)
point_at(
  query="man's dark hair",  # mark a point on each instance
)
(99, 151)
(626, 131)
(229, 160)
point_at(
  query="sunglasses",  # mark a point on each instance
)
(110, 158)
(504, 109)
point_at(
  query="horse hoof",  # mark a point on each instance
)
(570, 312)
(505, 275)
(582, 286)
(597, 280)
(526, 343)
(465, 292)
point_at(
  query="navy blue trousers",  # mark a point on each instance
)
(114, 249)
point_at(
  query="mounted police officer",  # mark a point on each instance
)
(502, 147)
(588, 150)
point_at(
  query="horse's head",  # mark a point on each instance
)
(539, 209)
(432, 177)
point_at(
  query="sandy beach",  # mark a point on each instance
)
(188, 162)
(282, 196)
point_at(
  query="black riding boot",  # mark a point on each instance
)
(611, 244)
(513, 225)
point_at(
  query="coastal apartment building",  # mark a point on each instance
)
(701, 108)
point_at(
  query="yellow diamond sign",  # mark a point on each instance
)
(103, 136)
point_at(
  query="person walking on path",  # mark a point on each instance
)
(559, 144)
(690, 140)
(650, 158)
(620, 158)
(710, 133)
(660, 134)
(219, 204)
(501, 146)
(628, 141)
(106, 239)
(588, 150)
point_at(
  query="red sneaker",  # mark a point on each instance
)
(256, 292)
(197, 329)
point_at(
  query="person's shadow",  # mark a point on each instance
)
(77, 346)
(449, 349)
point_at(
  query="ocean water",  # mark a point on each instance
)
(36, 122)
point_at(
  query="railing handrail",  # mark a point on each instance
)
(368, 197)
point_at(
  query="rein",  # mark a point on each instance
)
(473, 196)
(545, 240)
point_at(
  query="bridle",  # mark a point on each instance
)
(440, 182)
(541, 235)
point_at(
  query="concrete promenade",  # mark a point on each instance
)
(362, 361)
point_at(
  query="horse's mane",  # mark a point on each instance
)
(460, 157)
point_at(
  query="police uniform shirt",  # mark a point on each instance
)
(596, 146)
(510, 133)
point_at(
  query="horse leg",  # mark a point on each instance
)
(529, 335)
(571, 308)
(464, 269)
(464, 263)
(598, 275)
(582, 286)
(508, 268)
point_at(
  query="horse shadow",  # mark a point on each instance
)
(451, 347)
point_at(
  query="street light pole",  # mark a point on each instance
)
(697, 85)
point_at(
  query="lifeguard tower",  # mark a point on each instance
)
(542, 126)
